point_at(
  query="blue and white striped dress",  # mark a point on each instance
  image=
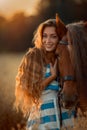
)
(50, 113)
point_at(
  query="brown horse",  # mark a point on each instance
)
(72, 53)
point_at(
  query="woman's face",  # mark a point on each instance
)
(50, 38)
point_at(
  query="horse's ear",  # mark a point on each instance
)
(57, 18)
(61, 28)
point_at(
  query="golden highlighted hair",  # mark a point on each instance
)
(28, 89)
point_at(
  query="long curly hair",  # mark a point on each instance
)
(31, 70)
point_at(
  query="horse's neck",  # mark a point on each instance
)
(50, 57)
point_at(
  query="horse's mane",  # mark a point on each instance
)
(77, 33)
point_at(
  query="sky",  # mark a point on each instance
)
(9, 7)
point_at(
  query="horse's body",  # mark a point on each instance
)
(72, 52)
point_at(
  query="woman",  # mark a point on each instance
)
(36, 82)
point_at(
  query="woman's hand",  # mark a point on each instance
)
(54, 69)
(48, 80)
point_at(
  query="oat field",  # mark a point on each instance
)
(9, 118)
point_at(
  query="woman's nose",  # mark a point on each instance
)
(48, 39)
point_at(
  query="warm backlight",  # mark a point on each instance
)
(9, 7)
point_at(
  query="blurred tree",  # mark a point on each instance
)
(16, 29)
(17, 34)
(68, 10)
(2, 32)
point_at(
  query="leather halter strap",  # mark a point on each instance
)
(68, 78)
(63, 42)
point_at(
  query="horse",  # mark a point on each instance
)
(72, 57)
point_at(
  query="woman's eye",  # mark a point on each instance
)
(54, 36)
(47, 36)
(44, 36)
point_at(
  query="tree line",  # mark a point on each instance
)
(16, 34)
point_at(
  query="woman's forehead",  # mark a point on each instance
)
(49, 29)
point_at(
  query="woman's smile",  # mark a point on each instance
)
(50, 38)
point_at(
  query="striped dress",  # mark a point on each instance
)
(50, 112)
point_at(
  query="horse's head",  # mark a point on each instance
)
(72, 54)
(72, 51)
(68, 94)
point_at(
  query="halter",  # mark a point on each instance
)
(63, 43)
(64, 79)
(67, 77)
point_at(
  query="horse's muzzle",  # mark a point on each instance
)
(67, 101)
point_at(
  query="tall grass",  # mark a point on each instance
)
(8, 70)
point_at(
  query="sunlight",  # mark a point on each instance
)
(9, 7)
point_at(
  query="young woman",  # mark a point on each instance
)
(36, 82)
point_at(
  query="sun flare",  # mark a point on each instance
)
(9, 7)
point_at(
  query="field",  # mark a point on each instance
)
(8, 70)
(9, 118)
